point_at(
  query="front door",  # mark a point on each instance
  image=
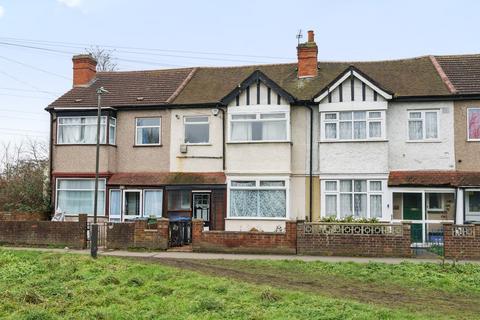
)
(132, 204)
(201, 207)
(412, 210)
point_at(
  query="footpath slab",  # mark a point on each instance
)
(227, 256)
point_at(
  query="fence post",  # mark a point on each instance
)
(82, 222)
(94, 240)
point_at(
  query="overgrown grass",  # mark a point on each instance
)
(36, 285)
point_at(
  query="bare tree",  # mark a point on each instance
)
(24, 177)
(104, 57)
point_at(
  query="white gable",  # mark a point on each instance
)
(363, 90)
(257, 94)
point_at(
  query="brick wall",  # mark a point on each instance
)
(138, 234)
(22, 216)
(462, 241)
(369, 240)
(244, 242)
(45, 233)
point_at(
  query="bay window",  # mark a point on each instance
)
(423, 125)
(75, 196)
(259, 126)
(357, 198)
(197, 129)
(473, 119)
(258, 198)
(353, 125)
(83, 130)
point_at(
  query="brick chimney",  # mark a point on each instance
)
(84, 69)
(307, 57)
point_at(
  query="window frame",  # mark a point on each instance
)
(424, 127)
(195, 123)
(441, 202)
(337, 192)
(258, 111)
(106, 125)
(468, 124)
(337, 121)
(92, 190)
(257, 186)
(469, 213)
(160, 125)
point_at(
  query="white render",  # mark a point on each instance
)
(199, 157)
(406, 155)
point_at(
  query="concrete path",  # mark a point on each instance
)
(226, 256)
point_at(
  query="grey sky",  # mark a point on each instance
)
(192, 33)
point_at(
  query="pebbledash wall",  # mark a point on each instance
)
(45, 233)
(370, 240)
(462, 241)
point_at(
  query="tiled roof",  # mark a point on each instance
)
(433, 179)
(166, 178)
(421, 76)
(463, 71)
(131, 88)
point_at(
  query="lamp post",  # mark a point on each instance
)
(94, 228)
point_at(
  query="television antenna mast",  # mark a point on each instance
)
(299, 36)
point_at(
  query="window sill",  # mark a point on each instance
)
(423, 141)
(353, 141)
(147, 145)
(258, 142)
(473, 140)
(84, 144)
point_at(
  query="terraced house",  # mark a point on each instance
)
(254, 146)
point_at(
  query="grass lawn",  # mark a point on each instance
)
(35, 285)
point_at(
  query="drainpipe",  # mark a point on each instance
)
(223, 135)
(310, 204)
(50, 167)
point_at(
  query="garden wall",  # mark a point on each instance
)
(244, 242)
(138, 234)
(350, 239)
(461, 241)
(45, 233)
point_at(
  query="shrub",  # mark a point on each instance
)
(109, 280)
(269, 296)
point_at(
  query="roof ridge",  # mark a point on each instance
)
(181, 86)
(443, 75)
(145, 70)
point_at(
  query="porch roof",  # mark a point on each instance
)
(433, 179)
(166, 178)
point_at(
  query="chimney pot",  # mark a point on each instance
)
(84, 69)
(307, 54)
(311, 36)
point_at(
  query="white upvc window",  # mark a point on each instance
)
(435, 202)
(423, 125)
(76, 196)
(83, 130)
(271, 126)
(152, 203)
(258, 198)
(197, 129)
(357, 198)
(353, 125)
(148, 131)
(472, 205)
(473, 124)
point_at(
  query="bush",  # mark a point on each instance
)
(349, 219)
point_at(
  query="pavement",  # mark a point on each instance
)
(231, 256)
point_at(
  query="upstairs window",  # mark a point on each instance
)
(473, 118)
(83, 130)
(148, 131)
(197, 129)
(353, 125)
(246, 127)
(423, 125)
